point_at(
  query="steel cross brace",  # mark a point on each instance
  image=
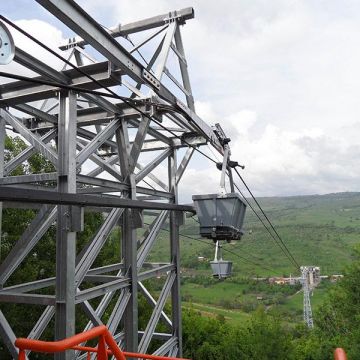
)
(111, 120)
(84, 25)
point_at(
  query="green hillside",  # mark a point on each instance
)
(319, 230)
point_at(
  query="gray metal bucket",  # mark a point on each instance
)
(221, 217)
(221, 268)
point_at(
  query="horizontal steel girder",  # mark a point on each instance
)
(84, 25)
(51, 197)
(150, 23)
(21, 298)
(18, 92)
(31, 138)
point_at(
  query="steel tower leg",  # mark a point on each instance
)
(95, 130)
(65, 237)
(175, 254)
(131, 311)
(129, 242)
(2, 152)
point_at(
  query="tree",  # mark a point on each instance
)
(40, 263)
(338, 319)
(262, 337)
(203, 337)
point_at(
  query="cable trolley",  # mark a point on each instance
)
(221, 216)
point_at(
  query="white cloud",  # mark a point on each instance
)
(281, 77)
(279, 161)
(43, 31)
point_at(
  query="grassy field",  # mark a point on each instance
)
(292, 308)
(232, 316)
(318, 230)
(236, 301)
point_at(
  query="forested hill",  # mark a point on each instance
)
(319, 230)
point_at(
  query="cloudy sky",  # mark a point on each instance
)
(281, 76)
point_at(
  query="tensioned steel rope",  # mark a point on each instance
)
(51, 83)
(267, 229)
(126, 100)
(112, 94)
(229, 251)
(262, 222)
(266, 217)
(193, 217)
(232, 252)
(237, 255)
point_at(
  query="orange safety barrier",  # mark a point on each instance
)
(106, 346)
(340, 354)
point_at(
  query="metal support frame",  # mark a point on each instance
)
(223, 170)
(2, 155)
(307, 288)
(66, 237)
(104, 154)
(175, 254)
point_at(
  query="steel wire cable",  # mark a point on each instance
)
(127, 37)
(266, 227)
(138, 51)
(224, 249)
(261, 220)
(135, 107)
(282, 245)
(126, 100)
(267, 218)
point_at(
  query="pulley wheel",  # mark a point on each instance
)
(7, 46)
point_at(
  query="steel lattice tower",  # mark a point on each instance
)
(310, 278)
(307, 304)
(63, 119)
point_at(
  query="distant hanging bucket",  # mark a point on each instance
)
(221, 217)
(221, 268)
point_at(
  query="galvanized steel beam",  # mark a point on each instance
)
(175, 255)
(84, 25)
(8, 336)
(155, 316)
(39, 225)
(66, 236)
(29, 136)
(150, 23)
(69, 142)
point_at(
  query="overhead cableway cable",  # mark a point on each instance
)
(267, 229)
(258, 259)
(267, 218)
(112, 94)
(127, 101)
(224, 249)
(278, 242)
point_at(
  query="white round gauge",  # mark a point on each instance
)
(7, 47)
